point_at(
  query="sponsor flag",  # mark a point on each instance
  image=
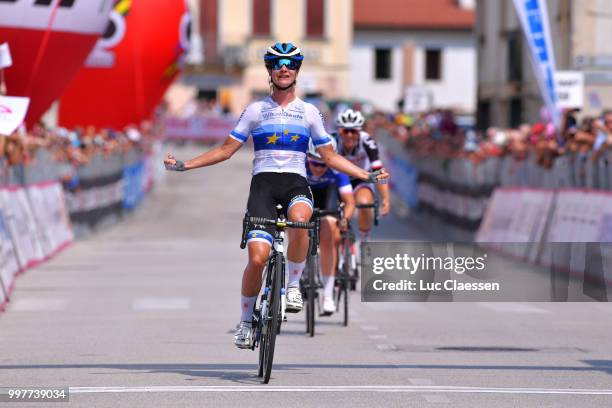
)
(5, 56)
(13, 110)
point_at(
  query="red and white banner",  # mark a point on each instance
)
(49, 210)
(12, 113)
(5, 56)
(581, 216)
(8, 260)
(199, 128)
(22, 227)
(516, 215)
(94, 198)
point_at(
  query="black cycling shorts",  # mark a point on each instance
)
(270, 189)
(326, 198)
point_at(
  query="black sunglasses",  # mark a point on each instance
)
(316, 163)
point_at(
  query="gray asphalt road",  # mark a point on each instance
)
(142, 314)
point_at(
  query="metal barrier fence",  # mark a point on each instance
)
(43, 167)
(457, 191)
(579, 170)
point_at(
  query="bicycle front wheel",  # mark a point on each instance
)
(274, 316)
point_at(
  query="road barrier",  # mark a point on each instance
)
(45, 205)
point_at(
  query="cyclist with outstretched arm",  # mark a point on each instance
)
(360, 149)
(281, 126)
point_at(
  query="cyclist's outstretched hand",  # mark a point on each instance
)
(172, 164)
(379, 176)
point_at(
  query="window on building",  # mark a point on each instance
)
(516, 112)
(382, 61)
(515, 60)
(208, 23)
(483, 118)
(315, 18)
(433, 64)
(262, 17)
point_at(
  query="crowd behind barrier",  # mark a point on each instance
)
(558, 200)
(56, 185)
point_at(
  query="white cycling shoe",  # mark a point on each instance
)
(294, 300)
(329, 306)
(243, 337)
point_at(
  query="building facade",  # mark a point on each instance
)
(235, 34)
(508, 93)
(421, 45)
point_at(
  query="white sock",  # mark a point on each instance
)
(246, 308)
(294, 273)
(328, 285)
(364, 235)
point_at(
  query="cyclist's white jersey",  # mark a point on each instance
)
(280, 135)
(364, 154)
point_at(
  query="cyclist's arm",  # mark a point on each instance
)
(237, 137)
(339, 163)
(345, 190)
(383, 190)
(214, 155)
(371, 149)
(349, 204)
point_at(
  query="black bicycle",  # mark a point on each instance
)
(311, 279)
(270, 311)
(344, 276)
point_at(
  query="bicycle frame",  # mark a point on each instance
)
(267, 317)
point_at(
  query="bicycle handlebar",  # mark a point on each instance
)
(281, 224)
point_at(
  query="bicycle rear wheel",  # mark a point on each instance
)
(271, 325)
(346, 281)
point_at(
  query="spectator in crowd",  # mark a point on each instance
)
(436, 134)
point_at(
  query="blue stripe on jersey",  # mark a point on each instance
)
(238, 136)
(260, 234)
(280, 140)
(322, 141)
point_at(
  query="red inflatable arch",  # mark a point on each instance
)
(131, 67)
(49, 40)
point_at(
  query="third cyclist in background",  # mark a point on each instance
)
(359, 148)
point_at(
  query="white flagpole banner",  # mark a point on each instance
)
(5, 56)
(533, 15)
(13, 110)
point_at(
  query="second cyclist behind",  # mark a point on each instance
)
(360, 149)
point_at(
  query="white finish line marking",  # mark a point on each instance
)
(39, 305)
(342, 388)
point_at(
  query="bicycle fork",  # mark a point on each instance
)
(279, 247)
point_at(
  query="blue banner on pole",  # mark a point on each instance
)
(533, 15)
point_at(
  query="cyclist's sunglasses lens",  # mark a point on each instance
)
(289, 63)
(316, 163)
